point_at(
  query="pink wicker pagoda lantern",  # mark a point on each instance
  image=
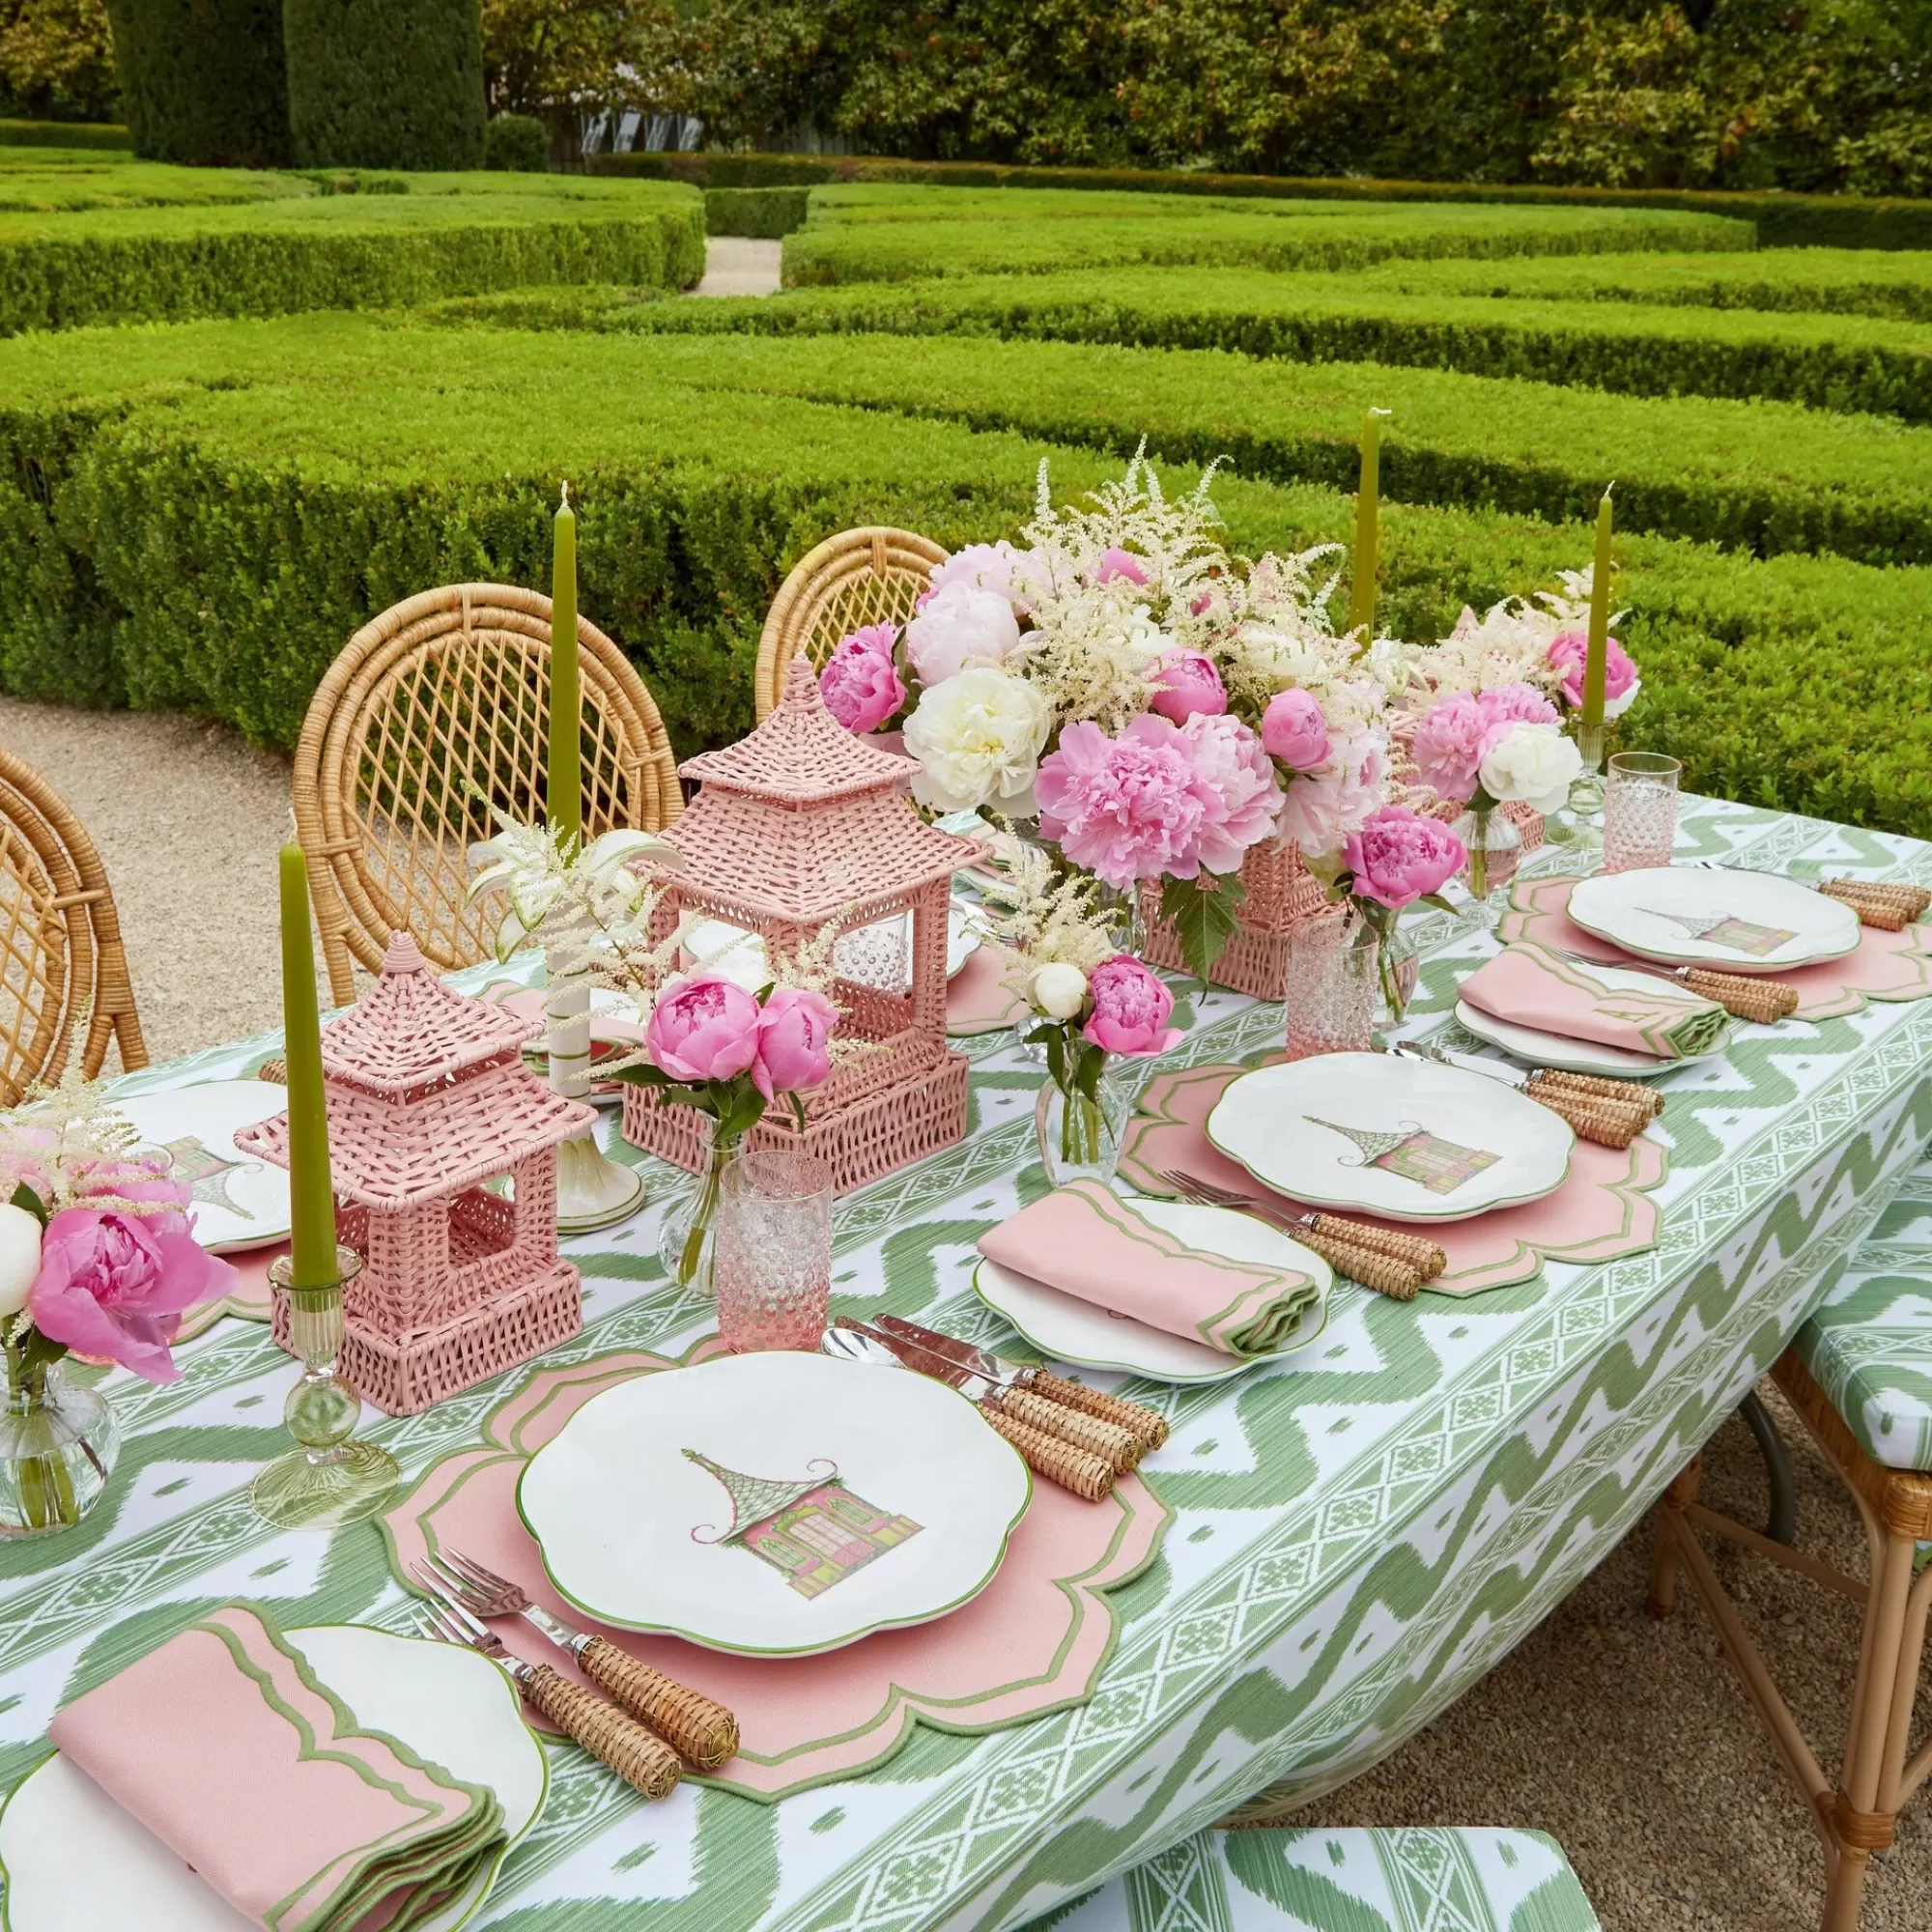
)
(429, 1099)
(795, 827)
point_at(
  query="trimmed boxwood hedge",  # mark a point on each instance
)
(334, 251)
(63, 134)
(763, 213)
(1783, 220)
(1826, 362)
(386, 83)
(203, 81)
(198, 517)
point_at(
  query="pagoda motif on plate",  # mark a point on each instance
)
(431, 1108)
(797, 826)
(811, 1529)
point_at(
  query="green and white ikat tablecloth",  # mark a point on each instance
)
(1361, 1531)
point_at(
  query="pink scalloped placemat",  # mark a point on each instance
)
(1886, 966)
(1603, 1210)
(978, 999)
(1033, 1642)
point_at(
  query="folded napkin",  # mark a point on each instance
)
(1529, 986)
(223, 1743)
(1086, 1241)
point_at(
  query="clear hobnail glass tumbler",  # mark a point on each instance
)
(1331, 994)
(774, 1269)
(1639, 810)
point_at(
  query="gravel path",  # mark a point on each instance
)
(736, 265)
(1627, 1738)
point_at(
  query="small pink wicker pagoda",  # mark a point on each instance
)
(799, 825)
(427, 1101)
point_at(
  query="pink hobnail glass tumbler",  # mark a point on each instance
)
(773, 1251)
(1331, 994)
(1639, 810)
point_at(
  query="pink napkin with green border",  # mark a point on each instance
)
(224, 1744)
(1530, 986)
(1086, 1241)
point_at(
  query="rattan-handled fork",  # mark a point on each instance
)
(704, 1733)
(639, 1758)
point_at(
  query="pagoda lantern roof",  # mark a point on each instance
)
(804, 819)
(756, 1498)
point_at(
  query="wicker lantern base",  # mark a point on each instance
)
(862, 1142)
(1282, 893)
(404, 1376)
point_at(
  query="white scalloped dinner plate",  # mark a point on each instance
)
(1654, 912)
(74, 1862)
(1404, 1139)
(639, 1533)
(1091, 1337)
(240, 1201)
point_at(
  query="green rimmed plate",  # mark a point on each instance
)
(773, 1505)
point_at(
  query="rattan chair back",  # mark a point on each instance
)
(60, 942)
(433, 714)
(851, 580)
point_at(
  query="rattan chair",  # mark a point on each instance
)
(851, 580)
(60, 942)
(434, 713)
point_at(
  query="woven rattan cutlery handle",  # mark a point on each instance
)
(1087, 1475)
(1397, 1280)
(704, 1733)
(1869, 896)
(1420, 1253)
(1886, 915)
(1121, 1450)
(639, 1758)
(1631, 1092)
(1146, 1425)
(1764, 1002)
(1610, 1124)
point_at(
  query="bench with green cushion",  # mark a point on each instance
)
(1428, 1879)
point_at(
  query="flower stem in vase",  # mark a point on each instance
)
(688, 1248)
(58, 1443)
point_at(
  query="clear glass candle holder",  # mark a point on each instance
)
(774, 1268)
(1330, 995)
(1639, 810)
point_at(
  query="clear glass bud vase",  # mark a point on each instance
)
(1080, 1138)
(58, 1441)
(1494, 846)
(1397, 968)
(688, 1246)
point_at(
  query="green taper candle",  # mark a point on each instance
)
(311, 1192)
(566, 768)
(1600, 620)
(1368, 528)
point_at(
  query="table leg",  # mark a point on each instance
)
(1678, 1495)
(1781, 1523)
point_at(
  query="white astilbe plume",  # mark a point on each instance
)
(1045, 913)
(1094, 655)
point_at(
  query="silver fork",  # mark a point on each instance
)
(701, 1730)
(1413, 1249)
(641, 1759)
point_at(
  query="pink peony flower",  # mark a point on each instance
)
(1570, 649)
(860, 683)
(1118, 563)
(1397, 855)
(1324, 807)
(1128, 807)
(704, 1028)
(996, 566)
(1448, 747)
(1233, 761)
(1505, 704)
(1130, 1009)
(792, 1035)
(1189, 685)
(956, 626)
(1295, 731)
(112, 1283)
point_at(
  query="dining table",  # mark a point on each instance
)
(1360, 1528)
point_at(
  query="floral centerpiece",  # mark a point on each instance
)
(97, 1256)
(1394, 859)
(1090, 1003)
(711, 1042)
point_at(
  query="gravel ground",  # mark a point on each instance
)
(1629, 1740)
(736, 265)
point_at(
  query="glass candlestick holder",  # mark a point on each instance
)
(328, 1477)
(1586, 791)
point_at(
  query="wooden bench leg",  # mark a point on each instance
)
(1681, 1494)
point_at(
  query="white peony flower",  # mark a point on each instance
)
(21, 1256)
(960, 624)
(1014, 573)
(1060, 990)
(1535, 763)
(978, 738)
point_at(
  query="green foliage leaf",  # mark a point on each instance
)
(24, 1196)
(1205, 914)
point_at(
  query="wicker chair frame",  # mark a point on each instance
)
(851, 580)
(1856, 1813)
(435, 711)
(60, 952)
